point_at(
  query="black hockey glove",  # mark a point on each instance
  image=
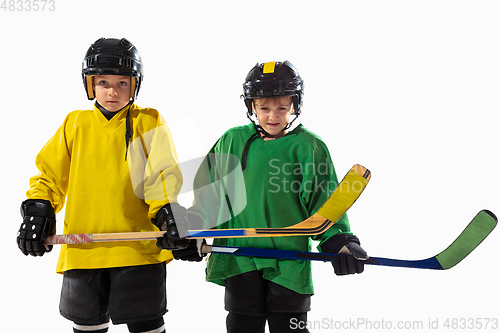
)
(352, 256)
(192, 252)
(172, 218)
(39, 222)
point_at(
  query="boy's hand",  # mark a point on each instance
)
(192, 252)
(173, 219)
(39, 222)
(352, 255)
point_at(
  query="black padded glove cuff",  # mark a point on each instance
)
(172, 218)
(335, 243)
(37, 207)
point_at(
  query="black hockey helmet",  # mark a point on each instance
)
(111, 56)
(273, 79)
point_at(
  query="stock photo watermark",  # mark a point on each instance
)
(28, 6)
(330, 324)
(312, 177)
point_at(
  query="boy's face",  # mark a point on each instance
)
(112, 91)
(273, 114)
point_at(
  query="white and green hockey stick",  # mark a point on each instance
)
(344, 196)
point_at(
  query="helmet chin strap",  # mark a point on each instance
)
(128, 128)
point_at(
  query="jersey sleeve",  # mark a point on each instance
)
(206, 191)
(162, 172)
(53, 163)
(323, 180)
(219, 186)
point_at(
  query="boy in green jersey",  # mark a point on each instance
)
(287, 176)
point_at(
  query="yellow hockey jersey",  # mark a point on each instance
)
(106, 190)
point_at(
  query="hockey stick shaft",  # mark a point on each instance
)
(477, 230)
(430, 263)
(344, 196)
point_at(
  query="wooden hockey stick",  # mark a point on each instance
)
(477, 230)
(344, 196)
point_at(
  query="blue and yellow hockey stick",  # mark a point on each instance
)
(344, 196)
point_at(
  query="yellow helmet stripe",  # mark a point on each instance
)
(269, 67)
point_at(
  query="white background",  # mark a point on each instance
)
(409, 89)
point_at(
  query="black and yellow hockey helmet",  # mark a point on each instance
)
(273, 79)
(111, 56)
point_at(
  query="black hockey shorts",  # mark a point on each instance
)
(250, 294)
(124, 294)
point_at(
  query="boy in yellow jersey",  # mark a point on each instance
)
(116, 168)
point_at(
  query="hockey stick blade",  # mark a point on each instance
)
(477, 230)
(344, 196)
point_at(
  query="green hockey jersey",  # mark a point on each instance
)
(283, 182)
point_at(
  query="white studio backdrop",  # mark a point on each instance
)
(409, 89)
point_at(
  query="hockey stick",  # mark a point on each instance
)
(477, 230)
(344, 196)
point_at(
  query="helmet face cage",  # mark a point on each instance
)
(273, 79)
(110, 56)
